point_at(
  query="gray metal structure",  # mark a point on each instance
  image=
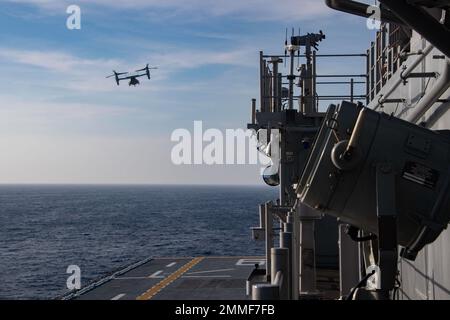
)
(425, 101)
(383, 174)
(289, 106)
(408, 78)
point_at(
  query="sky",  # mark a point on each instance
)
(62, 121)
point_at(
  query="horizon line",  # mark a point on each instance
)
(127, 184)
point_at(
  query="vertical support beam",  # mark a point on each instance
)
(280, 263)
(387, 227)
(314, 83)
(367, 77)
(307, 249)
(293, 220)
(262, 71)
(275, 87)
(372, 70)
(378, 62)
(308, 83)
(266, 87)
(352, 84)
(291, 79)
(270, 90)
(253, 111)
(283, 169)
(383, 70)
(307, 257)
(269, 237)
(348, 261)
(262, 216)
(280, 92)
(389, 63)
(286, 242)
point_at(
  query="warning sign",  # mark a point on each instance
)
(420, 174)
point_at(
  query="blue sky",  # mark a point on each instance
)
(61, 121)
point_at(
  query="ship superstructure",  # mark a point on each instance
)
(287, 122)
(409, 79)
(380, 165)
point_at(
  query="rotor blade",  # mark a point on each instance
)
(143, 69)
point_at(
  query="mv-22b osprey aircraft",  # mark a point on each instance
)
(133, 78)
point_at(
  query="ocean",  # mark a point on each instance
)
(45, 229)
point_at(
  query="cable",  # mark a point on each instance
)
(353, 234)
(395, 111)
(396, 289)
(425, 89)
(359, 285)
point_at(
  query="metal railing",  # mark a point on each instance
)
(385, 57)
(275, 99)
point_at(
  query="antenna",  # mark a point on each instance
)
(298, 54)
(285, 48)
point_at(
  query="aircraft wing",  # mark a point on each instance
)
(135, 76)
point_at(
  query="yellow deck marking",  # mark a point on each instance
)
(150, 293)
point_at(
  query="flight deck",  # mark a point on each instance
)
(190, 278)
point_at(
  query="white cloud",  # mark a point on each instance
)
(88, 75)
(188, 58)
(291, 10)
(53, 60)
